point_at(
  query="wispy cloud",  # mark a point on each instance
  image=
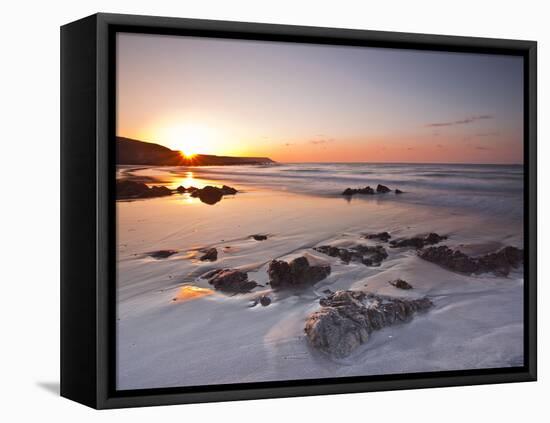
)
(321, 141)
(487, 134)
(465, 121)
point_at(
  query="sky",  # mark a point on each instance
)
(296, 102)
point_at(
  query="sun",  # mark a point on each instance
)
(187, 154)
(188, 139)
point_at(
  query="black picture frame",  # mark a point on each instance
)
(88, 216)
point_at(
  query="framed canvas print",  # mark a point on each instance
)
(254, 211)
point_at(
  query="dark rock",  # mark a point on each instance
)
(210, 254)
(265, 300)
(329, 250)
(382, 189)
(418, 241)
(353, 191)
(129, 189)
(259, 237)
(211, 195)
(401, 284)
(208, 194)
(156, 191)
(372, 256)
(368, 255)
(398, 191)
(231, 281)
(500, 263)
(181, 189)
(382, 236)
(296, 274)
(279, 273)
(161, 254)
(226, 190)
(347, 318)
(451, 259)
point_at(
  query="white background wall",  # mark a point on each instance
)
(29, 235)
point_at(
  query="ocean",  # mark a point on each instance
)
(491, 189)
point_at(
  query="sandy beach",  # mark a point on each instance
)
(175, 329)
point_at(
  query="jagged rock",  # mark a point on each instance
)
(382, 189)
(156, 191)
(296, 274)
(418, 241)
(210, 254)
(353, 191)
(161, 254)
(366, 190)
(259, 237)
(398, 191)
(211, 195)
(181, 189)
(226, 190)
(500, 263)
(368, 255)
(347, 318)
(129, 189)
(231, 281)
(401, 284)
(381, 236)
(372, 256)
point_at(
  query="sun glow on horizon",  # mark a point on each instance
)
(188, 139)
(187, 155)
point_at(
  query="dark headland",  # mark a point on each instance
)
(134, 152)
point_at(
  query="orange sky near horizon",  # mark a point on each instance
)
(310, 103)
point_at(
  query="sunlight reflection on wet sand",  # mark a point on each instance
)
(175, 179)
(190, 292)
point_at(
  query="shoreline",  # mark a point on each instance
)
(220, 339)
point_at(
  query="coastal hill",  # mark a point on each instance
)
(134, 152)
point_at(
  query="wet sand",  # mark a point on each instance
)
(206, 337)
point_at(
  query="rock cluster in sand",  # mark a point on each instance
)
(500, 263)
(380, 236)
(366, 254)
(380, 189)
(296, 274)
(127, 189)
(231, 281)
(418, 241)
(347, 318)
